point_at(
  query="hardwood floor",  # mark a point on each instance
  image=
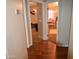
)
(52, 38)
(35, 37)
(47, 50)
(42, 51)
(52, 33)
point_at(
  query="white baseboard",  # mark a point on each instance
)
(62, 45)
(44, 38)
(29, 45)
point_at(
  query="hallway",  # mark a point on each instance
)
(43, 50)
(47, 50)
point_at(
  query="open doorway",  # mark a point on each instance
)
(52, 21)
(36, 21)
(45, 49)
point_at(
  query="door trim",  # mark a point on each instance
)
(29, 22)
(58, 18)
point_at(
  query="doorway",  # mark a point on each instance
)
(36, 21)
(52, 21)
(40, 49)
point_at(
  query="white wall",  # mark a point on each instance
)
(70, 49)
(45, 21)
(40, 19)
(16, 38)
(28, 22)
(34, 19)
(65, 13)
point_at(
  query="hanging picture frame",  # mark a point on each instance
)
(32, 12)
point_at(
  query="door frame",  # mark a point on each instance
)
(28, 22)
(25, 10)
(43, 5)
(59, 27)
(58, 18)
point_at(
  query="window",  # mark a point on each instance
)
(50, 14)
